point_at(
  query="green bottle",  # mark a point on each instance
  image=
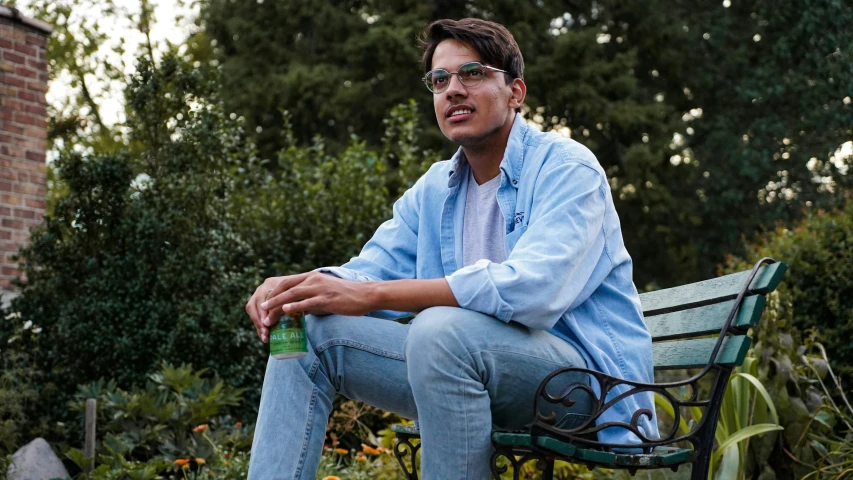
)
(287, 337)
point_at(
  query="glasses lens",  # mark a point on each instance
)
(437, 80)
(472, 74)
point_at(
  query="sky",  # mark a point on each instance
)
(165, 29)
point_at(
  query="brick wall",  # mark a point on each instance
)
(23, 133)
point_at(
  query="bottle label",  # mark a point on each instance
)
(288, 335)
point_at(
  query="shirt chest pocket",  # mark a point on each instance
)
(512, 238)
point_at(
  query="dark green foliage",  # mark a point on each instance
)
(153, 251)
(818, 291)
(320, 208)
(165, 417)
(139, 262)
(623, 76)
(771, 78)
(180, 414)
(812, 306)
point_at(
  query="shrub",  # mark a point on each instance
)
(151, 252)
(818, 288)
(812, 306)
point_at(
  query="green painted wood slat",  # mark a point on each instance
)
(660, 456)
(711, 291)
(704, 320)
(696, 352)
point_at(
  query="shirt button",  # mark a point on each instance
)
(515, 182)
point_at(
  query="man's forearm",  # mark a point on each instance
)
(410, 295)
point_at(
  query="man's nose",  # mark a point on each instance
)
(455, 87)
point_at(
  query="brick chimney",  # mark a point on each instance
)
(23, 134)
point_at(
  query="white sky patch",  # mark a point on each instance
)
(165, 28)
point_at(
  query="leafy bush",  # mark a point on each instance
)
(176, 424)
(19, 397)
(151, 252)
(800, 380)
(811, 307)
(818, 289)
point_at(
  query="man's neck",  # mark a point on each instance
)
(485, 157)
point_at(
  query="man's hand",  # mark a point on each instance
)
(320, 294)
(313, 292)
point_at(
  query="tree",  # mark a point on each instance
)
(662, 92)
(153, 251)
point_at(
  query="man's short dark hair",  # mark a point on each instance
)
(490, 40)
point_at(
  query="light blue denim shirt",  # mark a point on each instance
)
(567, 270)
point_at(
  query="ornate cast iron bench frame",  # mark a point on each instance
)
(681, 320)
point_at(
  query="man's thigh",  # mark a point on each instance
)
(510, 359)
(362, 357)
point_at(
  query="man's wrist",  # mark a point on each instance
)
(373, 294)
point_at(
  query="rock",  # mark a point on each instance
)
(36, 461)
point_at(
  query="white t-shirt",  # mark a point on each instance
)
(485, 229)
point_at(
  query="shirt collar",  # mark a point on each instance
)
(513, 155)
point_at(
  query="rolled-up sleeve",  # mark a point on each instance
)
(550, 268)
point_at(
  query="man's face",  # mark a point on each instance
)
(487, 106)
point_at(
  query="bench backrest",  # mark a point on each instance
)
(686, 321)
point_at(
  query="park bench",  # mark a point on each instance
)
(690, 325)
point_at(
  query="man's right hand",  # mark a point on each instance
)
(258, 314)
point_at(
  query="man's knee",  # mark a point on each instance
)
(441, 331)
(319, 330)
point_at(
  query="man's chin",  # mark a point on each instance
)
(465, 137)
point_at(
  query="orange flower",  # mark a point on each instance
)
(342, 451)
(239, 424)
(369, 449)
(200, 461)
(331, 477)
(200, 428)
(182, 461)
(360, 457)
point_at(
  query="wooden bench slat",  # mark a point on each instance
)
(660, 456)
(696, 352)
(704, 320)
(710, 291)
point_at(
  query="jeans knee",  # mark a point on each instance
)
(435, 335)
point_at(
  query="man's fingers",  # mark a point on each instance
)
(286, 283)
(294, 294)
(254, 312)
(308, 305)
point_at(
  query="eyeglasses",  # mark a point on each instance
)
(470, 74)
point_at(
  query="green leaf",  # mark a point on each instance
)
(729, 465)
(664, 405)
(79, 458)
(745, 433)
(762, 391)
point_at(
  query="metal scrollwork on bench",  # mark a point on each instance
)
(542, 463)
(401, 449)
(620, 389)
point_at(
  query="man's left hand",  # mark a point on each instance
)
(319, 294)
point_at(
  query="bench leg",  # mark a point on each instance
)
(548, 472)
(401, 448)
(701, 465)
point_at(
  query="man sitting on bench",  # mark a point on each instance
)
(512, 254)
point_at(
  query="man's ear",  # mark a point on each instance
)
(519, 91)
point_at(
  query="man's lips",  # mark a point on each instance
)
(459, 112)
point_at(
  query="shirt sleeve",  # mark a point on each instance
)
(391, 253)
(556, 255)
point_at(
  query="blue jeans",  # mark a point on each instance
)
(458, 372)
